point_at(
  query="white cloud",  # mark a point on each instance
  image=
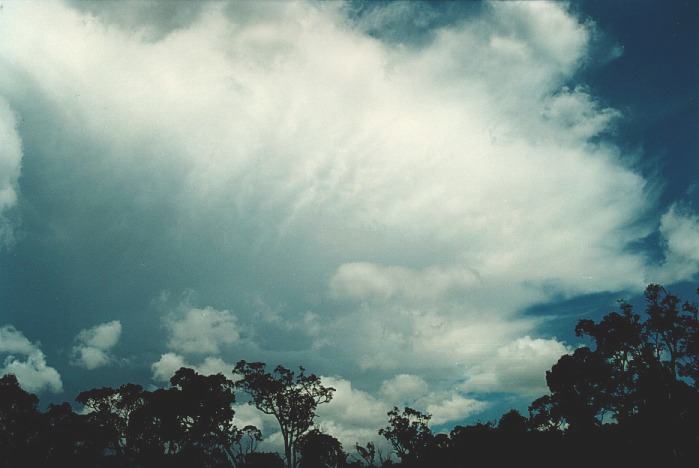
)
(422, 197)
(363, 280)
(355, 416)
(13, 341)
(403, 388)
(10, 167)
(680, 229)
(93, 345)
(518, 367)
(202, 331)
(31, 369)
(454, 407)
(165, 367)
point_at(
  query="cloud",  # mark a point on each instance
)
(202, 331)
(169, 363)
(93, 345)
(403, 203)
(518, 367)
(10, 167)
(403, 388)
(455, 407)
(363, 280)
(355, 416)
(31, 370)
(680, 230)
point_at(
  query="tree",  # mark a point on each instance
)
(66, 439)
(290, 397)
(319, 450)
(409, 434)
(579, 387)
(192, 421)
(367, 454)
(109, 415)
(245, 444)
(513, 422)
(690, 368)
(618, 339)
(667, 326)
(19, 423)
(544, 415)
(263, 460)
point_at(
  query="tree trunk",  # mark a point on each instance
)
(287, 452)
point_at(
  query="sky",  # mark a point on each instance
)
(416, 201)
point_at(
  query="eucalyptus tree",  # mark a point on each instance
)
(292, 398)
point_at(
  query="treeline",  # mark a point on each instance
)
(629, 399)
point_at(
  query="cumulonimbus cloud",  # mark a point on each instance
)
(408, 201)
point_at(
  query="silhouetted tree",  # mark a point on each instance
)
(109, 411)
(245, 444)
(263, 460)
(66, 439)
(513, 423)
(19, 423)
(367, 454)
(579, 388)
(191, 422)
(409, 434)
(291, 398)
(319, 450)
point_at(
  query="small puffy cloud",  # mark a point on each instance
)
(10, 167)
(166, 366)
(30, 368)
(169, 363)
(201, 331)
(680, 230)
(93, 345)
(518, 367)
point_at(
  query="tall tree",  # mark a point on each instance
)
(409, 434)
(292, 398)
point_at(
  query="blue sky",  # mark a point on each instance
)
(416, 201)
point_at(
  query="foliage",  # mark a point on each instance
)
(319, 450)
(292, 398)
